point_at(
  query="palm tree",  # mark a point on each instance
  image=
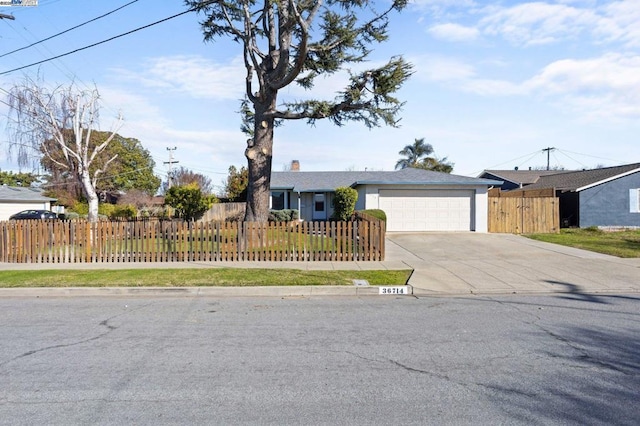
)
(414, 154)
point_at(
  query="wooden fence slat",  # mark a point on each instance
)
(523, 215)
(164, 241)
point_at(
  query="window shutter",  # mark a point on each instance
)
(634, 200)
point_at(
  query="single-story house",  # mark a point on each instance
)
(517, 179)
(606, 197)
(413, 199)
(15, 199)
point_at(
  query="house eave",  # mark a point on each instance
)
(621, 175)
(482, 182)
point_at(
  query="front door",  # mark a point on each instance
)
(319, 207)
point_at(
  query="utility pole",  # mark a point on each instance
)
(170, 163)
(548, 152)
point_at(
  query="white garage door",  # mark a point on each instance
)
(427, 210)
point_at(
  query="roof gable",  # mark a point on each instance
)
(329, 181)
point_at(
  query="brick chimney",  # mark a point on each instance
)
(295, 166)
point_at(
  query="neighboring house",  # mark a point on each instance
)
(413, 199)
(607, 197)
(517, 179)
(14, 199)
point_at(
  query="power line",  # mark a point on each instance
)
(104, 177)
(66, 31)
(100, 42)
(593, 156)
(69, 73)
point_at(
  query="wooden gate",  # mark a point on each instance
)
(524, 212)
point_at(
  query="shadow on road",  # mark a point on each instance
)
(575, 292)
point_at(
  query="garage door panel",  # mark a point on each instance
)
(427, 210)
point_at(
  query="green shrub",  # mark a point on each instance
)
(188, 201)
(344, 203)
(69, 215)
(80, 208)
(128, 211)
(378, 214)
(106, 209)
(286, 215)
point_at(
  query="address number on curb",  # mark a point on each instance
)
(394, 290)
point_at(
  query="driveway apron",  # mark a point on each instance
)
(473, 263)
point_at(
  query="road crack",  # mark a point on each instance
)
(104, 323)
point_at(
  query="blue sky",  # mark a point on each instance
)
(494, 84)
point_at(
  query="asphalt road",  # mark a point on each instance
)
(556, 359)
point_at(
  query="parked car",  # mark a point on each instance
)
(33, 214)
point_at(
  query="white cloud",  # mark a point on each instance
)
(462, 76)
(538, 23)
(191, 75)
(453, 32)
(605, 86)
(492, 87)
(442, 69)
(545, 22)
(443, 7)
(621, 22)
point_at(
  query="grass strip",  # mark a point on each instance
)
(211, 277)
(614, 243)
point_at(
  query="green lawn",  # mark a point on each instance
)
(227, 277)
(619, 243)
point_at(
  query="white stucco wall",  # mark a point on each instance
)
(482, 209)
(9, 208)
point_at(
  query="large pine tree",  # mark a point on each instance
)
(295, 41)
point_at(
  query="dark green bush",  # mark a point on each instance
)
(344, 203)
(286, 215)
(378, 214)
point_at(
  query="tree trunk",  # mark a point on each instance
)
(259, 157)
(91, 195)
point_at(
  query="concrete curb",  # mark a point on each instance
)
(277, 291)
(272, 291)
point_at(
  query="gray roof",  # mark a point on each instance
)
(329, 181)
(520, 177)
(16, 194)
(572, 181)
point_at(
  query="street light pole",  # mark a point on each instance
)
(4, 16)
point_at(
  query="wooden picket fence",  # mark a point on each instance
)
(177, 241)
(524, 212)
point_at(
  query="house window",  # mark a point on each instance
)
(277, 200)
(634, 200)
(318, 202)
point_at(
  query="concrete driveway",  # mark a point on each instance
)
(471, 263)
